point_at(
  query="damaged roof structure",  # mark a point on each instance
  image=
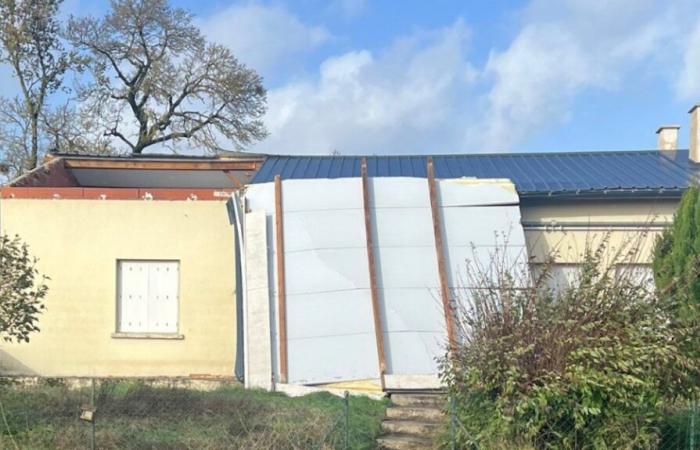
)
(290, 271)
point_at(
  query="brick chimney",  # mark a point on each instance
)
(694, 147)
(668, 137)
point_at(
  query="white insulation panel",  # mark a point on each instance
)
(330, 328)
(413, 321)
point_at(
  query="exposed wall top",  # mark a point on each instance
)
(636, 173)
(143, 171)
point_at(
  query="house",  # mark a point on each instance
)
(112, 230)
(278, 269)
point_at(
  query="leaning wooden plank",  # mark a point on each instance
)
(378, 332)
(281, 286)
(440, 253)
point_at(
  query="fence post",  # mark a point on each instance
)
(92, 422)
(346, 412)
(453, 428)
(691, 428)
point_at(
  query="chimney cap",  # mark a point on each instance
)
(668, 127)
(695, 106)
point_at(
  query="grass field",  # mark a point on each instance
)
(132, 415)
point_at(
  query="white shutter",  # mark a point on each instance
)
(148, 296)
(162, 296)
(133, 296)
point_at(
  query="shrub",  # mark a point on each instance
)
(677, 254)
(588, 365)
(22, 290)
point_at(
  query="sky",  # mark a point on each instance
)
(416, 76)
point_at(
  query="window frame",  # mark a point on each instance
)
(118, 332)
(538, 266)
(620, 268)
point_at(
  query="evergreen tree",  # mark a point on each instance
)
(677, 254)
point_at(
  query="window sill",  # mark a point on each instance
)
(167, 336)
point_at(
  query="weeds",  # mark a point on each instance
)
(132, 415)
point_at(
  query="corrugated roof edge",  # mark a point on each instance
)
(662, 175)
(487, 154)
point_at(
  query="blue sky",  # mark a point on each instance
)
(362, 76)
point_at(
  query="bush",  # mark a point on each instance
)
(22, 290)
(677, 254)
(589, 365)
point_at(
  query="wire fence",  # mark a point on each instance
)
(675, 427)
(124, 414)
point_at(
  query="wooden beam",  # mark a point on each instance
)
(281, 285)
(376, 311)
(440, 252)
(234, 179)
(161, 164)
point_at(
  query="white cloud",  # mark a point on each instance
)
(404, 99)
(688, 83)
(349, 9)
(559, 54)
(262, 36)
(423, 94)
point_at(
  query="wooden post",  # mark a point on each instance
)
(440, 251)
(281, 286)
(376, 312)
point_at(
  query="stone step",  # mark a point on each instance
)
(423, 413)
(404, 442)
(427, 400)
(410, 427)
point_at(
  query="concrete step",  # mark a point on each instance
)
(426, 400)
(422, 413)
(404, 442)
(410, 427)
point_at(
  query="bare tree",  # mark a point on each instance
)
(31, 45)
(67, 128)
(157, 81)
(60, 128)
(15, 136)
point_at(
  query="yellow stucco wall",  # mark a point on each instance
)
(79, 242)
(567, 227)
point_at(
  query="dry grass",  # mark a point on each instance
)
(135, 416)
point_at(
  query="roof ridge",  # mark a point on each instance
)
(439, 155)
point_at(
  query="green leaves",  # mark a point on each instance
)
(586, 367)
(31, 45)
(677, 257)
(22, 291)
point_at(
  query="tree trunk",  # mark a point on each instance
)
(33, 160)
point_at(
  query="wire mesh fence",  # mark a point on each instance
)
(125, 414)
(670, 427)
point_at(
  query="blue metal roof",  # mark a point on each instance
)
(534, 174)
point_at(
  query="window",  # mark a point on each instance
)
(560, 276)
(641, 274)
(147, 296)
